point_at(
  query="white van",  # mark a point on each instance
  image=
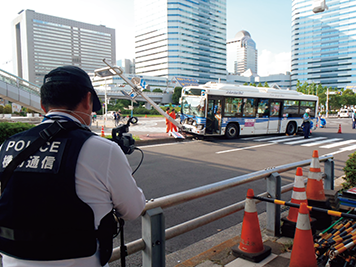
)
(344, 113)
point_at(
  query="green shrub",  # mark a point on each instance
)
(350, 172)
(8, 129)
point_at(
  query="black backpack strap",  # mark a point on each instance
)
(45, 135)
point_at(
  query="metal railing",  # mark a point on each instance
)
(19, 82)
(152, 243)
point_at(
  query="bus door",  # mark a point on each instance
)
(262, 117)
(274, 116)
(214, 115)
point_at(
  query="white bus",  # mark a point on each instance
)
(216, 109)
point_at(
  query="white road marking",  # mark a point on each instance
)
(323, 142)
(339, 144)
(280, 141)
(304, 140)
(273, 138)
(242, 148)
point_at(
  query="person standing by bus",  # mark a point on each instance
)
(306, 123)
(173, 115)
(353, 116)
(168, 123)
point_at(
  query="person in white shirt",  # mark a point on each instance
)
(102, 181)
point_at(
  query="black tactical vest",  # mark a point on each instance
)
(41, 216)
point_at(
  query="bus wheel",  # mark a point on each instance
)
(231, 131)
(291, 128)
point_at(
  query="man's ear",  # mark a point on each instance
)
(87, 101)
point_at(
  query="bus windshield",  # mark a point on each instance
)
(194, 106)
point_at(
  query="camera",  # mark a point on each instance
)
(123, 138)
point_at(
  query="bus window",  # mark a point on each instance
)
(249, 108)
(233, 107)
(307, 104)
(263, 110)
(275, 108)
(291, 107)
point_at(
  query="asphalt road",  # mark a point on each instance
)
(172, 168)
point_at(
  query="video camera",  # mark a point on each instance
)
(123, 138)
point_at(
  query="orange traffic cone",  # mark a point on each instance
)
(102, 131)
(339, 131)
(298, 196)
(251, 246)
(303, 252)
(315, 186)
(316, 195)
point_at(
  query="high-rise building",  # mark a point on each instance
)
(127, 65)
(244, 51)
(324, 44)
(44, 42)
(181, 38)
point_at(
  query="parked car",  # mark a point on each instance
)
(344, 113)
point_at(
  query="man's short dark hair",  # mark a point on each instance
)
(62, 94)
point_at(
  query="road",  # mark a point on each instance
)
(172, 168)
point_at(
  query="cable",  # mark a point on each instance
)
(138, 166)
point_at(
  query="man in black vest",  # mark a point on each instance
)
(58, 205)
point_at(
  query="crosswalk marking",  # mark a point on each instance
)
(294, 138)
(275, 137)
(323, 142)
(304, 140)
(339, 144)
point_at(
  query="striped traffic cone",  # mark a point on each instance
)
(303, 252)
(315, 193)
(251, 246)
(315, 186)
(298, 196)
(102, 131)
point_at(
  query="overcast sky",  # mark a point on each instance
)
(268, 22)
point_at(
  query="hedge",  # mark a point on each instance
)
(8, 129)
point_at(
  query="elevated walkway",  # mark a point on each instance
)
(20, 91)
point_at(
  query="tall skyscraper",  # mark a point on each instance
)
(44, 42)
(324, 44)
(244, 52)
(181, 38)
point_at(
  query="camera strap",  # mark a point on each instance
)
(44, 136)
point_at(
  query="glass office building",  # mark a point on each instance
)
(44, 42)
(324, 44)
(245, 52)
(181, 38)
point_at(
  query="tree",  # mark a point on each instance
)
(266, 85)
(259, 85)
(176, 95)
(246, 83)
(157, 90)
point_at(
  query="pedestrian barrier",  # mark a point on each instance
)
(303, 246)
(251, 246)
(152, 243)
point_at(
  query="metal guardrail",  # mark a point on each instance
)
(154, 235)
